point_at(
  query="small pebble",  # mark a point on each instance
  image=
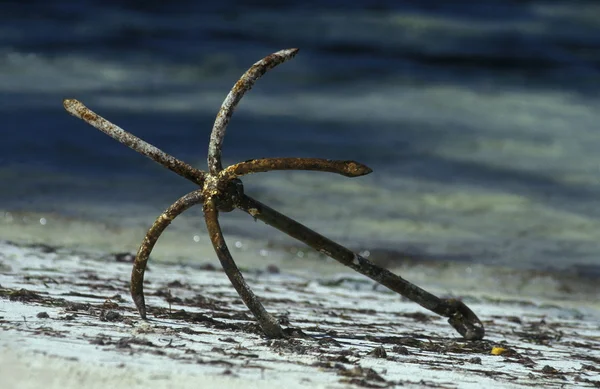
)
(124, 257)
(112, 316)
(401, 350)
(549, 370)
(378, 352)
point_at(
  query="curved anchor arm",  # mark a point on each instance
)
(243, 85)
(143, 253)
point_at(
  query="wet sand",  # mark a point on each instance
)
(67, 318)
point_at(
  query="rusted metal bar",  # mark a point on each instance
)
(143, 253)
(345, 168)
(243, 85)
(267, 322)
(222, 191)
(460, 316)
(77, 109)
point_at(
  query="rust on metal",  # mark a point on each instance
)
(267, 322)
(345, 168)
(243, 85)
(461, 317)
(222, 191)
(77, 109)
(143, 253)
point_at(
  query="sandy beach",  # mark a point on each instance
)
(67, 320)
(479, 123)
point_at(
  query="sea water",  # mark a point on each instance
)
(481, 124)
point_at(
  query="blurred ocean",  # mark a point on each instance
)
(481, 123)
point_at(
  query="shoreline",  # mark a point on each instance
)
(447, 273)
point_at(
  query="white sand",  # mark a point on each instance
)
(75, 347)
(31, 371)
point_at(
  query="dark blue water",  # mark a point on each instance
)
(480, 120)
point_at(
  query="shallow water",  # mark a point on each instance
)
(481, 124)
